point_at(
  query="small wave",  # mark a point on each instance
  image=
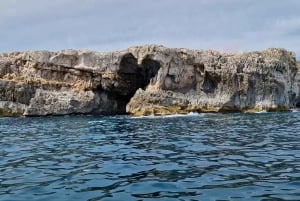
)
(171, 115)
(183, 115)
(294, 110)
(259, 112)
(96, 121)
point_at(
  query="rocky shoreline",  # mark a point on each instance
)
(147, 80)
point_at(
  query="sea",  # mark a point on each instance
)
(209, 157)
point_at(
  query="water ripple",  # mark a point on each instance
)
(195, 157)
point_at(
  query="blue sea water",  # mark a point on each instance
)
(195, 157)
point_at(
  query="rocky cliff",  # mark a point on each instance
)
(146, 80)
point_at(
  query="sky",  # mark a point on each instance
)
(106, 25)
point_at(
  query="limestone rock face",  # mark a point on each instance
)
(146, 80)
(209, 81)
(38, 83)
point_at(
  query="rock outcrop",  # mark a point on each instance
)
(146, 80)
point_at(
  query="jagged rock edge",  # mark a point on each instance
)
(182, 81)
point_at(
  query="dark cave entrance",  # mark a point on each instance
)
(297, 104)
(131, 77)
(210, 82)
(150, 69)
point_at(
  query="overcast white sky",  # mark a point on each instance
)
(226, 25)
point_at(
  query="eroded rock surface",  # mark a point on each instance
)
(146, 80)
